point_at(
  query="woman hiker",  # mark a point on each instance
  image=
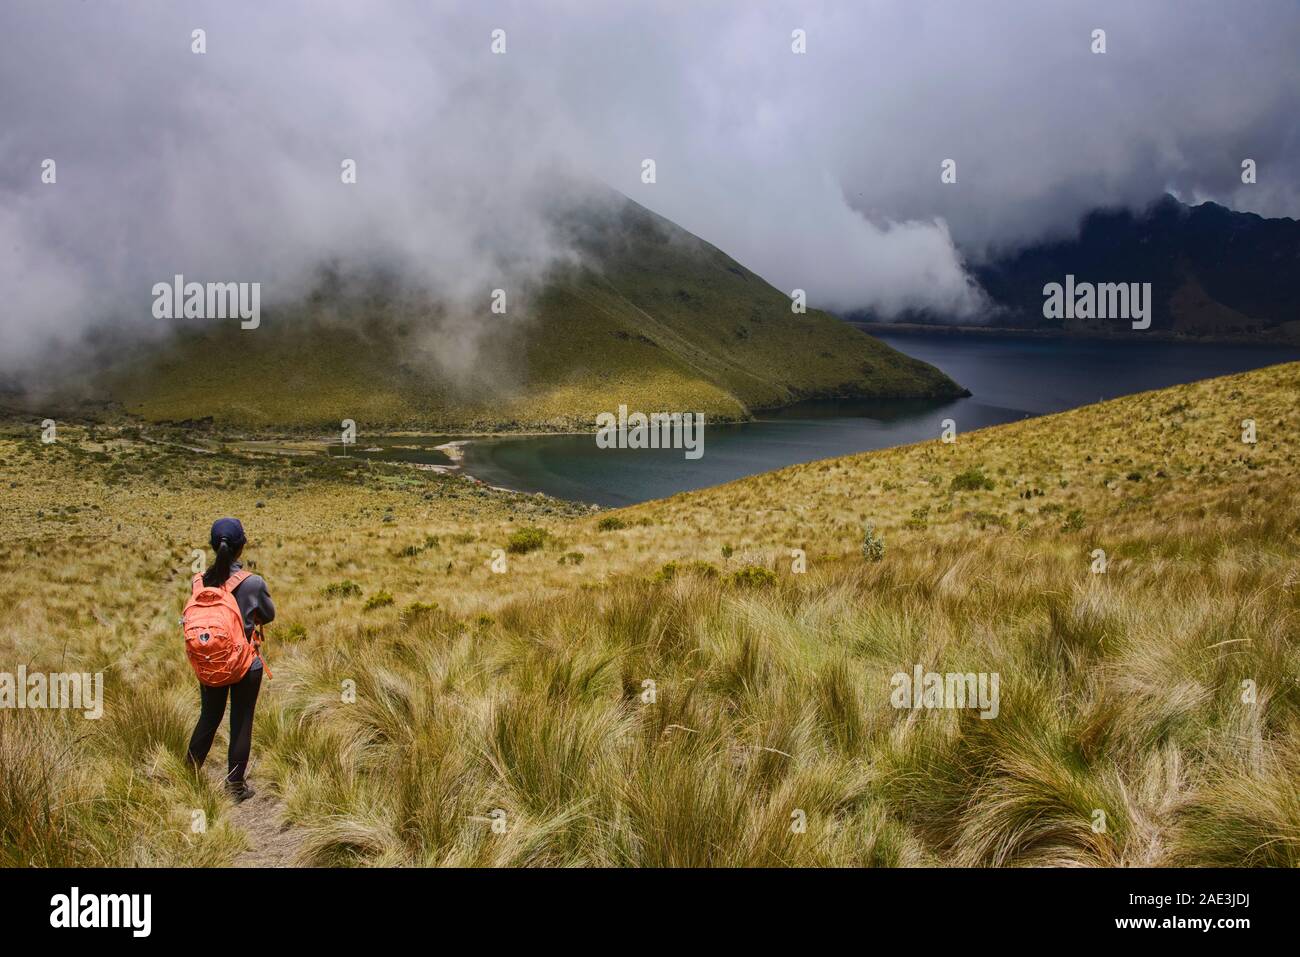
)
(227, 607)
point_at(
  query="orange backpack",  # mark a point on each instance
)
(214, 632)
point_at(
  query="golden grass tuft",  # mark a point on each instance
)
(669, 702)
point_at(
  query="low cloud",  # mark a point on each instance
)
(818, 171)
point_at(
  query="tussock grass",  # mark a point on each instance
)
(672, 701)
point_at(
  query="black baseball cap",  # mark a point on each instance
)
(230, 530)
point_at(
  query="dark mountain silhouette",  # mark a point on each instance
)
(1214, 274)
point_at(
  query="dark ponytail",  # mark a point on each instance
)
(219, 570)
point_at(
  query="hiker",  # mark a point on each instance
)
(222, 625)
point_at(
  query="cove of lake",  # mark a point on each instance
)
(1010, 378)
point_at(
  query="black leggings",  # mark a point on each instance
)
(243, 699)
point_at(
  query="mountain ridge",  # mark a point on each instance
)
(1216, 275)
(652, 317)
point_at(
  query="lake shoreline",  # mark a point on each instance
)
(1013, 377)
(1009, 377)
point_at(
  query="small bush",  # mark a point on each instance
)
(971, 480)
(572, 558)
(380, 599)
(873, 546)
(344, 589)
(611, 523)
(751, 576)
(418, 609)
(526, 540)
(703, 569)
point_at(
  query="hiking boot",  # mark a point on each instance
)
(239, 790)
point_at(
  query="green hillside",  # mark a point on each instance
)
(654, 318)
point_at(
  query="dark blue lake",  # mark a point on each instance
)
(1010, 378)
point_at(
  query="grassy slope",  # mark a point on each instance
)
(523, 691)
(660, 321)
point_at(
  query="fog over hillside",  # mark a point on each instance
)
(818, 170)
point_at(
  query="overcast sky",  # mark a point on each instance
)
(819, 171)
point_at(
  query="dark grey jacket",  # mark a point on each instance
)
(253, 598)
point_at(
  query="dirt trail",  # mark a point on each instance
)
(272, 840)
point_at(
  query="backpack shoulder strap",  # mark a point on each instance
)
(195, 584)
(235, 580)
